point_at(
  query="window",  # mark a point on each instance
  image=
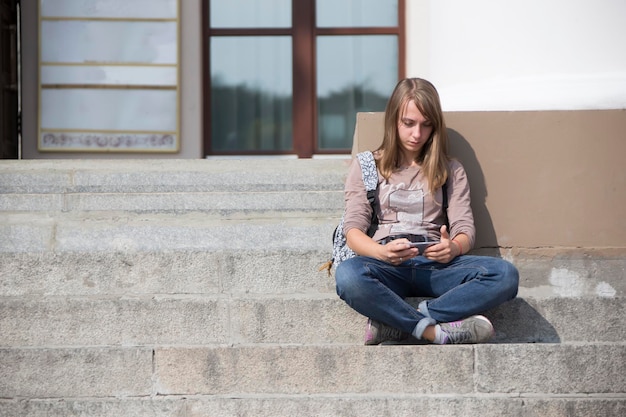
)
(114, 67)
(289, 76)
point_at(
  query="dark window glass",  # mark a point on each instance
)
(354, 74)
(251, 94)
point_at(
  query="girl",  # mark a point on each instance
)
(413, 167)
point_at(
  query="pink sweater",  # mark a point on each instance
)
(406, 206)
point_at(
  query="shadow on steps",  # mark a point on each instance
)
(515, 321)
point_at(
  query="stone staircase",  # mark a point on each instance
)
(191, 288)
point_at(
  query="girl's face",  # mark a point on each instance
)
(414, 129)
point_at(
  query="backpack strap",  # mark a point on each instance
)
(368, 170)
(444, 204)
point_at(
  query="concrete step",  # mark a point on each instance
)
(335, 370)
(283, 270)
(217, 260)
(324, 405)
(146, 176)
(223, 189)
(221, 204)
(307, 320)
(160, 232)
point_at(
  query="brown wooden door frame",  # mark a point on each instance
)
(304, 109)
(9, 112)
(304, 34)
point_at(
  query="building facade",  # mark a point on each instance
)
(210, 78)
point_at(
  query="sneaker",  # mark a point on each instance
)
(474, 329)
(377, 333)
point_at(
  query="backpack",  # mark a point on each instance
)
(341, 251)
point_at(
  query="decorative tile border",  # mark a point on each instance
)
(108, 142)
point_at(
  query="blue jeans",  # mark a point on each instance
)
(466, 286)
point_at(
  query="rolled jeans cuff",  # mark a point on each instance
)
(423, 308)
(418, 331)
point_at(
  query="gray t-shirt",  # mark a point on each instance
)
(405, 205)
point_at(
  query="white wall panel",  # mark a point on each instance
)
(520, 55)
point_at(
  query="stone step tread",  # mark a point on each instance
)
(296, 319)
(171, 175)
(212, 202)
(471, 370)
(345, 405)
(259, 270)
(96, 232)
(131, 232)
(263, 269)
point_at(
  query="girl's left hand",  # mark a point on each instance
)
(444, 251)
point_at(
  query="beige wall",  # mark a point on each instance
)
(538, 179)
(190, 79)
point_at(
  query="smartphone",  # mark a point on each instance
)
(423, 245)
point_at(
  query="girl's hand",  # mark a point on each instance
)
(397, 251)
(444, 251)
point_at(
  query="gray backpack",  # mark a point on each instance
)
(341, 251)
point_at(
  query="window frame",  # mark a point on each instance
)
(304, 34)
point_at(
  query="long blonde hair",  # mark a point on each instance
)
(433, 157)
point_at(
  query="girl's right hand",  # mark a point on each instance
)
(397, 251)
